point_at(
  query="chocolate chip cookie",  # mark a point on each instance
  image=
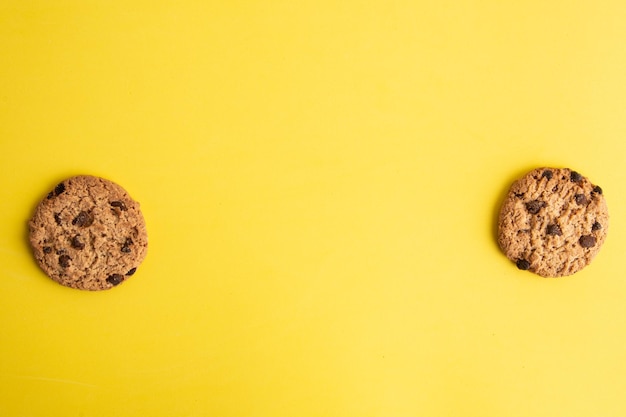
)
(88, 233)
(553, 222)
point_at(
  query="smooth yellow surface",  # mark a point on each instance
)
(320, 181)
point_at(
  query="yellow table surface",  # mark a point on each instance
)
(320, 181)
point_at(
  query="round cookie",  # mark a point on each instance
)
(553, 222)
(88, 233)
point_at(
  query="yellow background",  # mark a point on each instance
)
(320, 181)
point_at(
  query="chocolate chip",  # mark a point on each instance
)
(587, 241)
(64, 261)
(534, 206)
(115, 279)
(83, 219)
(131, 271)
(597, 189)
(77, 243)
(59, 189)
(554, 230)
(575, 176)
(547, 174)
(580, 199)
(50, 195)
(57, 218)
(119, 204)
(127, 244)
(47, 249)
(596, 226)
(522, 264)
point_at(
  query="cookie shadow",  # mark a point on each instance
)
(504, 191)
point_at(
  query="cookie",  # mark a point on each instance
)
(553, 222)
(88, 234)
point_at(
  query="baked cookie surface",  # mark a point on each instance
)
(88, 234)
(553, 222)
